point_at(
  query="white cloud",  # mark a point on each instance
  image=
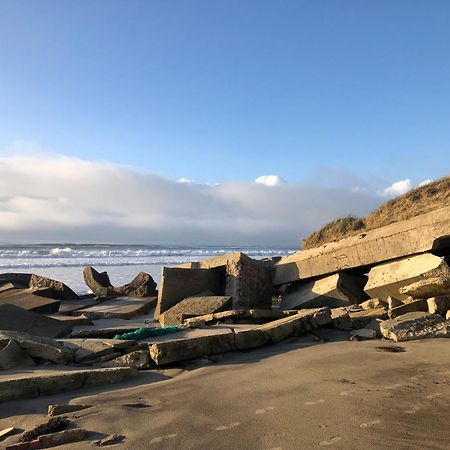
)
(398, 188)
(185, 180)
(50, 197)
(425, 182)
(270, 180)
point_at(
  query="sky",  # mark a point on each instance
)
(237, 122)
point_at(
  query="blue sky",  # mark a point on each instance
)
(348, 94)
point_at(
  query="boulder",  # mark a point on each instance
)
(142, 285)
(428, 287)
(13, 318)
(195, 306)
(416, 305)
(415, 325)
(387, 279)
(12, 355)
(439, 305)
(336, 290)
(424, 233)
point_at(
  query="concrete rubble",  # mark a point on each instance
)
(391, 283)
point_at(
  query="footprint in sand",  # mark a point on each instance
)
(314, 403)
(369, 424)
(331, 441)
(228, 427)
(264, 410)
(345, 393)
(159, 439)
(433, 396)
(413, 410)
(393, 386)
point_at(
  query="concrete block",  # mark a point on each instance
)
(417, 305)
(360, 319)
(138, 359)
(387, 279)
(333, 291)
(439, 305)
(340, 319)
(119, 308)
(428, 287)
(27, 299)
(57, 410)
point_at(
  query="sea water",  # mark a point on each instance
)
(65, 262)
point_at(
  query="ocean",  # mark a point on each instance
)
(65, 262)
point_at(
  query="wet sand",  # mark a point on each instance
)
(295, 395)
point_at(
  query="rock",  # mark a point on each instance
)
(387, 279)
(428, 287)
(142, 285)
(13, 318)
(247, 281)
(31, 385)
(112, 439)
(195, 306)
(360, 319)
(38, 347)
(138, 359)
(439, 305)
(365, 333)
(340, 319)
(333, 291)
(119, 308)
(12, 355)
(374, 303)
(6, 432)
(51, 440)
(417, 305)
(415, 325)
(393, 302)
(180, 283)
(404, 238)
(57, 410)
(59, 289)
(27, 299)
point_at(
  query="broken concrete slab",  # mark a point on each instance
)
(333, 291)
(387, 279)
(393, 302)
(245, 339)
(119, 307)
(360, 319)
(71, 307)
(6, 432)
(12, 355)
(39, 347)
(73, 321)
(195, 306)
(428, 287)
(424, 233)
(416, 305)
(374, 303)
(142, 285)
(59, 290)
(179, 283)
(13, 318)
(57, 410)
(139, 359)
(47, 382)
(439, 305)
(11, 285)
(51, 440)
(248, 281)
(340, 319)
(415, 325)
(27, 299)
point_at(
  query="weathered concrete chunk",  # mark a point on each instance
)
(139, 359)
(32, 385)
(195, 306)
(57, 410)
(374, 303)
(13, 318)
(415, 325)
(387, 279)
(71, 320)
(29, 300)
(142, 285)
(39, 347)
(247, 281)
(364, 333)
(428, 287)
(333, 291)
(439, 305)
(245, 339)
(12, 355)
(120, 308)
(10, 285)
(360, 319)
(393, 302)
(340, 319)
(180, 283)
(71, 307)
(91, 349)
(59, 289)
(417, 305)
(427, 232)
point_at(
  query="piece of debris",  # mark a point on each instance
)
(373, 303)
(51, 440)
(390, 349)
(439, 305)
(56, 410)
(112, 439)
(428, 287)
(415, 325)
(415, 305)
(51, 426)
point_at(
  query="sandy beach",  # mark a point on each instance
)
(301, 394)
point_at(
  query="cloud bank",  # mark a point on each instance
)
(57, 198)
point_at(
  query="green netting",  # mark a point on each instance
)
(142, 333)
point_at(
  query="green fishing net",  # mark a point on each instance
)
(142, 333)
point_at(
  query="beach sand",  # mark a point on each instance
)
(300, 394)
